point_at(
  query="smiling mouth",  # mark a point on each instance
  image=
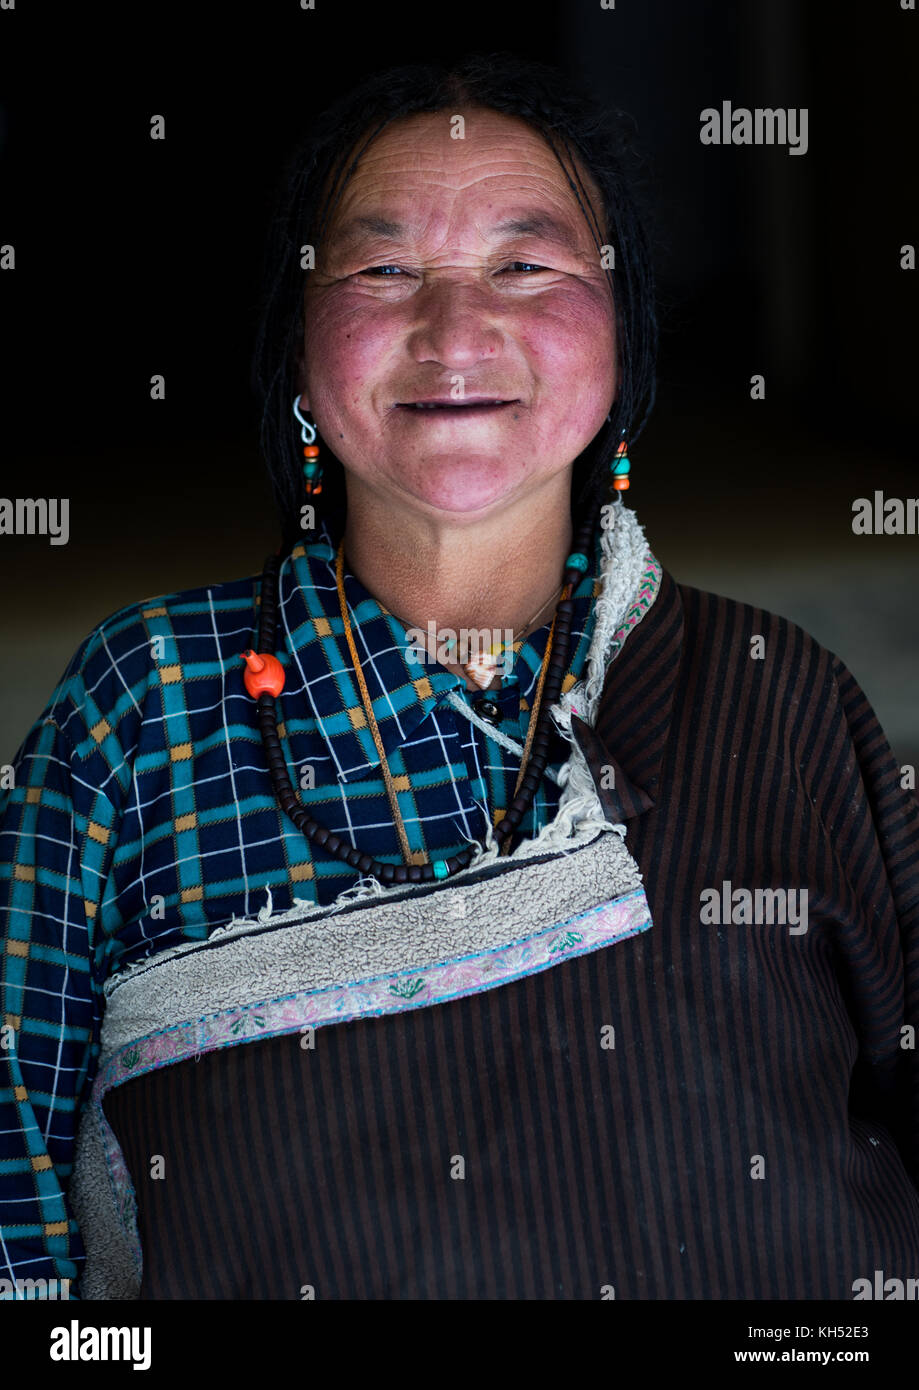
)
(480, 407)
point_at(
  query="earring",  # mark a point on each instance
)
(621, 466)
(312, 468)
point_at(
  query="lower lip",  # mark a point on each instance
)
(453, 412)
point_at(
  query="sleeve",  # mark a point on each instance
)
(878, 837)
(56, 839)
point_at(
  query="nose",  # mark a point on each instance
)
(455, 324)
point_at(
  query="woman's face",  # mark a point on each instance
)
(459, 271)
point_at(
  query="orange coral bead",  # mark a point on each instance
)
(264, 673)
(621, 483)
(311, 451)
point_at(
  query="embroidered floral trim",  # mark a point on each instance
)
(647, 592)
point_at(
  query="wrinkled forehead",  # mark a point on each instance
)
(470, 163)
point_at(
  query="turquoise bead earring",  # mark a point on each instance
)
(621, 467)
(312, 468)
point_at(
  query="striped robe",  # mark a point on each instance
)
(714, 1108)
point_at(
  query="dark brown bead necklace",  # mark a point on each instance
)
(552, 677)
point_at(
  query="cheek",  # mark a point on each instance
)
(345, 349)
(571, 348)
(570, 341)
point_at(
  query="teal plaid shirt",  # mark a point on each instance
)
(143, 816)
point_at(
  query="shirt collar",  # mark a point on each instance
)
(319, 667)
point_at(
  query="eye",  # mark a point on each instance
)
(527, 266)
(381, 270)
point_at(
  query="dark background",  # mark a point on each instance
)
(136, 257)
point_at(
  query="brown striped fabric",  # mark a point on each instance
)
(751, 1134)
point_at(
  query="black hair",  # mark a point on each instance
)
(574, 124)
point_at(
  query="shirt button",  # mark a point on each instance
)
(488, 710)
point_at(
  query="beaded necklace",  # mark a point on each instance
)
(264, 679)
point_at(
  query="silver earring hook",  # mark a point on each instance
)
(307, 438)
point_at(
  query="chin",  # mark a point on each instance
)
(464, 487)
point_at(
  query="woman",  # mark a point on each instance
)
(567, 964)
